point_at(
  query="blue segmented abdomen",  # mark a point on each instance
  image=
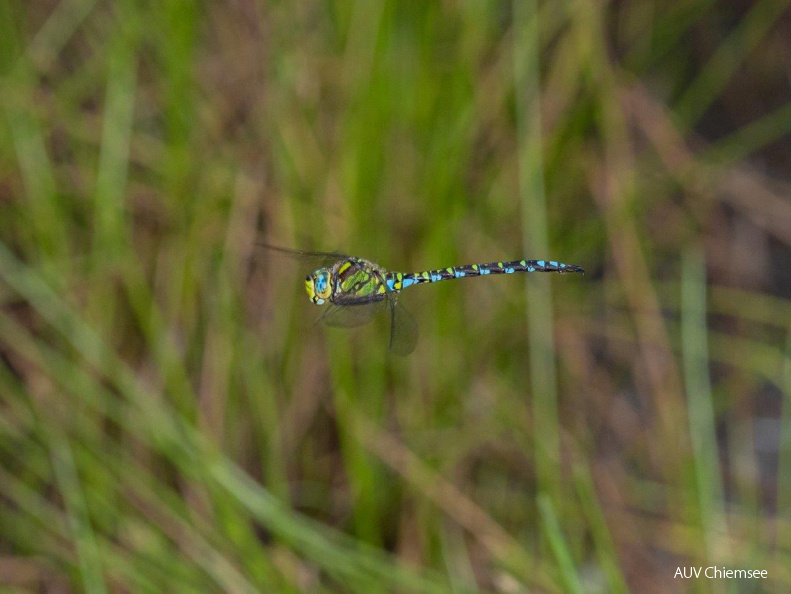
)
(396, 281)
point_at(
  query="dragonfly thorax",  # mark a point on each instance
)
(351, 281)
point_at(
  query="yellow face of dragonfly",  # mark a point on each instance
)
(318, 286)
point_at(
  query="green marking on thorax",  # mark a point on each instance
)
(363, 279)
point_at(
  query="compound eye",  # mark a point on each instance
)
(323, 284)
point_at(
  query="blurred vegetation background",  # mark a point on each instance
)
(172, 420)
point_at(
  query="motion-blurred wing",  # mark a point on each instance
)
(311, 260)
(349, 316)
(403, 329)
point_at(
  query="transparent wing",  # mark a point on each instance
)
(312, 260)
(351, 315)
(403, 329)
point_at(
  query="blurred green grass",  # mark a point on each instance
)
(170, 420)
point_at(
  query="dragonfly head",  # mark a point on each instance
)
(318, 286)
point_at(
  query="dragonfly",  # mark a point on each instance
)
(353, 290)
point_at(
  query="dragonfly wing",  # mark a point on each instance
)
(403, 328)
(313, 260)
(349, 316)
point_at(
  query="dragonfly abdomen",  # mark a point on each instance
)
(397, 281)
